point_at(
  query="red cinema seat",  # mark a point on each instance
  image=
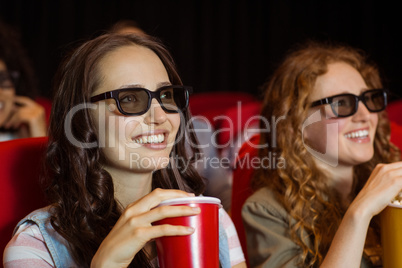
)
(47, 104)
(237, 119)
(241, 190)
(20, 193)
(396, 135)
(394, 110)
(211, 105)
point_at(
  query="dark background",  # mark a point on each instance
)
(217, 45)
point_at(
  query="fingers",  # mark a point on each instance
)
(24, 101)
(134, 227)
(170, 230)
(145, 211)
(164, 212)
(143, 230)
(387, 167)
(390, 174)
(384, 184)
(155, 198)
(13, 122)
(27, 111)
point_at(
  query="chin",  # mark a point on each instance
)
(3, 117)
(155, 163)
(361, 158)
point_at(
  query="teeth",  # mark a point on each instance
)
(357, 134)
(150, 139)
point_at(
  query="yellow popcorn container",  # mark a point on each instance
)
(391, 235)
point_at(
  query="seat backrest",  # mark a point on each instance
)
(20, 193)
(237, 119)
(396, 135)
(394, 110)
(242, 173)
(213, 104)
(47, 105)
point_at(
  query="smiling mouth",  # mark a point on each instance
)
(150, 139)
(357, 134)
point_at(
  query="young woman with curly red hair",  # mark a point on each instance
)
(318, 210)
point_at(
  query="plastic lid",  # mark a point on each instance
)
(191, 200)
(395, 205)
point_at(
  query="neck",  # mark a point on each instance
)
(340, 179)
(129, 186)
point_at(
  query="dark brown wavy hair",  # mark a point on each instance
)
(16, 58)
(300, 185)
(80, 190)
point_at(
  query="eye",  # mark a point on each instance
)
(338, 103)
(166, 95)
(128, 98)
(341, 102)
(5, 81)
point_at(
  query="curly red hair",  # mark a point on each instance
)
(300, 184)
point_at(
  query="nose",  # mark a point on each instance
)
(362, 113)
(155, 114)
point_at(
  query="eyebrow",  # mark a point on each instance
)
(364, 90)
(347, 92)
(162, 84)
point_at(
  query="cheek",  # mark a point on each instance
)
(116, 138)
(175, 120)
(323, 135)
(315, 136)
(6, 104)
(342, 123)
(122, 129)
(114, 129)
(7, 95)
(374, 120)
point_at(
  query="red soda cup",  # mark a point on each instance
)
(198, 250)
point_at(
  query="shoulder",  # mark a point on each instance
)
(227, 223)
(264, 201)
(265, 197)
(39, 217)
(8, 135)
(27, 248)
(56, 246)
(235, 250)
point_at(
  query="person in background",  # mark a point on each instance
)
(319, 209)
(20, 115)
(126, 26)
(217, 176)
(118, 126)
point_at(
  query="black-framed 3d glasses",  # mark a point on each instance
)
(344, 105)
(137, 101)
(8, 79)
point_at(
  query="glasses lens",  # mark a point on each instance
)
(5, 80)
(174, 98)
(133, 100)
(343, 105)
(374, 100)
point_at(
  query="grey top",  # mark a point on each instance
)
(266, 224)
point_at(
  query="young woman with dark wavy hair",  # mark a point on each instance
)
(117, 135)
(318, 210)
